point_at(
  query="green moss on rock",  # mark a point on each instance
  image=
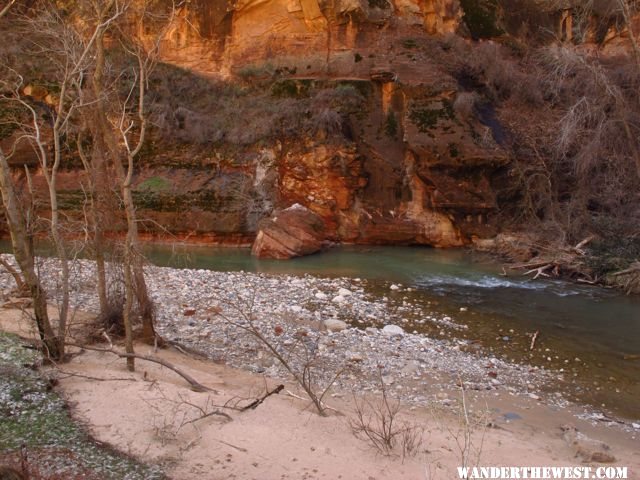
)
(155, 184)
(427, 118)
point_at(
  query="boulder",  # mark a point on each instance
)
(293, 232)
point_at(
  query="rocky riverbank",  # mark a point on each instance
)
(332, 326)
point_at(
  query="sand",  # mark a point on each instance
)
(153, 415)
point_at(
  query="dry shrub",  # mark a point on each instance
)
(574, 122)
(194, 110)
(377, 422)
(465, 103)
(596, 153)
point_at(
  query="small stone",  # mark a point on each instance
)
(338, 299)
(411, 367)
(463, 309)
(534, 396)
(296, 308)
(321, 296)
(388, 380)
(344, 292)
(394, 287)
(335, 325)
(356, 358)
(392, 330)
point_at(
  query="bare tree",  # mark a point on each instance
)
(97, 114)
(102, 16)
(23, 251)
(132, 131)
(70, 56)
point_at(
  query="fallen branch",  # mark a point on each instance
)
(97, 379)
(233, 446)
(209, 414)
(533, 339)
(191, 352)
(324, 405)
(578, 248)
(534, 264)
(194, 384)
(633, 269)
(253, 405)
(539, 271)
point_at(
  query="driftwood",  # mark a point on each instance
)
(540, 271)
(533, 339)
(634, 269)
(559, 261)
(193, 383)
(629, 278)
(578, 248)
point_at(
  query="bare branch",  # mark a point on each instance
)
(6, 8)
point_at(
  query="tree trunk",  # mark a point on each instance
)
(61, 251)
(25, 259)
(101, 146)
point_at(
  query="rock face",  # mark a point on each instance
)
(221, 36)
(411, 166)
(293, 232)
